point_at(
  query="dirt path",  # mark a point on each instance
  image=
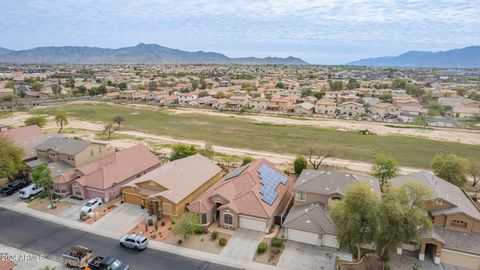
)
(87, 131)
(441, 134)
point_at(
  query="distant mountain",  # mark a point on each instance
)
(139, 54)
(466, 57)
(4, 51)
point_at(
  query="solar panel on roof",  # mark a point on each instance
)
(235, 172)
(270, 179)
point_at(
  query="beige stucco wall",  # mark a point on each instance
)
(468, 261)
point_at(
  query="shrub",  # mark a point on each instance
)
(75, 198)
(180, 241)
(222, 241)
(199, 230)
(262, 247)
(277, 242)
(150, 222)
(83, 216)
(214, 235)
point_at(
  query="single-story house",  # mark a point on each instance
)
(249, 197)
(170, 188)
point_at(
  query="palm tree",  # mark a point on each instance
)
(61, 119)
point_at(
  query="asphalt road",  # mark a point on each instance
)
(51, 240)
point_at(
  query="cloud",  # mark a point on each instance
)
(186, 23)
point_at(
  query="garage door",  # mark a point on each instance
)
(253, 224)
(460, 259)
(303, 237)
(330, 241)
(132, 198)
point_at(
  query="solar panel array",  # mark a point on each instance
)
(235, 172)
(270, 179)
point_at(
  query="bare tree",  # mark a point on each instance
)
(108, 129)
(317, 156)
(474, 171)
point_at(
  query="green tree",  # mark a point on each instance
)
(186, 224)
(384, 168)
(247, 160)
(387, 97)
(40, 121)
(182, 151)
(402, 216)
(118, 119)
(42, 177)
(56, 89)
(399, 83)
(108, 129)
(37, 86)
(61, 119)
(474, 171)
(11, 158)
(280, 85)
(352, 84)
(207, 151)
(451, 168)
(203, 94)
(10, 85)
(318, 95)
(299, 164)
(152, 85)
(306, 92)
(122, 86)
(355, 217)
(335, 85)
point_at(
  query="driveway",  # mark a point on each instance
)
(73, 213)
(122, 219)
(304, 256)
(243, 244)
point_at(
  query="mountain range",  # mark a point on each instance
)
(457, 58)
(139, 54)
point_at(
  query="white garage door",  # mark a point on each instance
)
(468, 261)
(303, 237)
(253, 224)
(330, 241)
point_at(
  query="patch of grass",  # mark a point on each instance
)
(4, 114)
(412, 127)
(244, 133)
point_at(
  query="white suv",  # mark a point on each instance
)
(91, 205)
(134, 241)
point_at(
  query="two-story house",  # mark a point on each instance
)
(63, 155)
(308, 220)
(455, 236)
(384, 109)
(326, 106)
(350, 108)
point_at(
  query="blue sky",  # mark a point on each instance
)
(320, 32)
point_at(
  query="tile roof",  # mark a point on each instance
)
(29, 144)
(327, 182)
(21, 132)
(444, 190)
(243, 193)
(180, 177)
(116, 167)
(459, 241)
(63, 145)
(310, 218)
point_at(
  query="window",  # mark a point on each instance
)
(458, 223)
(438, 202)
(71, 158)
(228, 219)
(300, 196)
(167, 208)
(204, 219)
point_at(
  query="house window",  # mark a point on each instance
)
(167, 208)
(438, 202)
(71, 158)
(204, 219)
(228, 219)
(458, 223)
(300, 196)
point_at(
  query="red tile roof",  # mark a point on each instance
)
(21, 132)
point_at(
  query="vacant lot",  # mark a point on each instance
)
(242, 133)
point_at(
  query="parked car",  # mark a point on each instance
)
(29, 191)
(134, 241)
(107, 263)
(91, 205)
(13, 187)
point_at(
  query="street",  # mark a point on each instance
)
(51, 240)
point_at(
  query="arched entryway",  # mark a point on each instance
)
(430, 250)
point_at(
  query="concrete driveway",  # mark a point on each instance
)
(122, 219)
(304, 256)
(243, 244)
(73, 213)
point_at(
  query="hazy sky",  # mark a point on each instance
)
(321, 32)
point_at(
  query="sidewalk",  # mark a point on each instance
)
(186, 252)
(27, 261)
